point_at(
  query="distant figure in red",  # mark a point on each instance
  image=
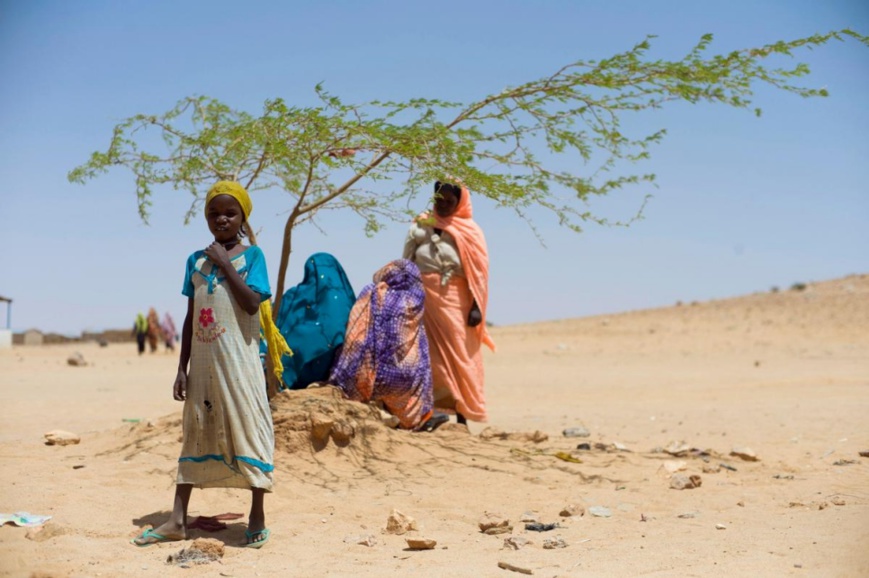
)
(153, 329)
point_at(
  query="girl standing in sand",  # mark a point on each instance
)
(450, 250)
(228, 439)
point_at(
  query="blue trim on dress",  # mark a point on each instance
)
(219, 457)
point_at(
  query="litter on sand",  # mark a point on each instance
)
(23, 519)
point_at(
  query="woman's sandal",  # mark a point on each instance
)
(434, 422)
(257, 539)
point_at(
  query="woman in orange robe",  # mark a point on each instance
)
(450, 250)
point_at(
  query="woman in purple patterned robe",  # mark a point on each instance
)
(385, 356)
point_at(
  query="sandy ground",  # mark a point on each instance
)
(785, 374)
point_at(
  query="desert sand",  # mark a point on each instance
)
(784, 375)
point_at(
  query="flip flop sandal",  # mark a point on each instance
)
(252, 543)
(151, 534)
(434, 422)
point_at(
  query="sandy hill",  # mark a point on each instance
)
(784, 376)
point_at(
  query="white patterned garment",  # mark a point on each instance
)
(228, 431)
(433, 252)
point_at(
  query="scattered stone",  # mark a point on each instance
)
(576, 432)
(620, 447)
(688, 515)
(720, 527)
(783, 476)
(677, 449)
(553, 543)
(600, 512)
(361, 539)
(711, 468)
(538, 527)
(823, 506)
(583, 446)
(76, 360)
(529, 517)
(398, 523)
(798, 565)
(60, 437)
(516, 542)
(744, 453)
(202, 551)
(683, 482)
(571, 510)
(342, 432)
(727, 467)
(492, 523)
(420, 543)
(389, 420)
(838, 502)
(321, 426)
(491, 433)
(740, 503)
(673, 466)
(864, 454)
(511, 567)
(844, 462)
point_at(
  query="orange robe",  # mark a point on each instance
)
(455, 348)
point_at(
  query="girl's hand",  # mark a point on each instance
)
(217, 254)
(179, 390)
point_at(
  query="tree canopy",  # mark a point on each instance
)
(330, 156)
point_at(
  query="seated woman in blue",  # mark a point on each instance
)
(312, 318)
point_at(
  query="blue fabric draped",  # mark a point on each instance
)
(312, 318)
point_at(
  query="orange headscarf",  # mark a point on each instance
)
(473, 253)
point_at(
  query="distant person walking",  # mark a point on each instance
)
(140, 331)
(169, 332)
(153, 329)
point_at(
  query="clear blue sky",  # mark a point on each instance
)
(742, 203)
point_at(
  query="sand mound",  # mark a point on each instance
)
(324, 439)
(315, 424)
(315, 418)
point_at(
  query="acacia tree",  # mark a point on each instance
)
(330, 156)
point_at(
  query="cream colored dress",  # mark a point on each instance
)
(228, 431)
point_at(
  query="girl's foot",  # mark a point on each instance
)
(257, 539)
(168, 532)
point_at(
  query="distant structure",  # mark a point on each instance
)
(34, 337)
(6, 333)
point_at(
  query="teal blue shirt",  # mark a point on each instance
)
(254, 272)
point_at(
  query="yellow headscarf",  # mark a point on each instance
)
(234, 190)
(277, 345)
